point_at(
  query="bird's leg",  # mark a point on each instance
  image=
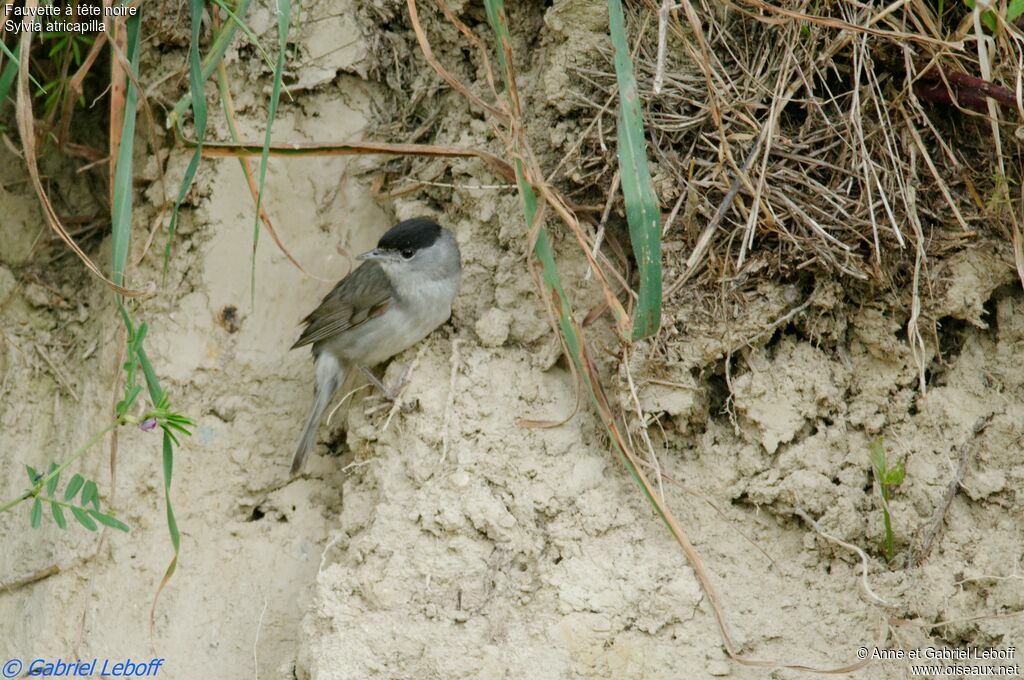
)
(380, 386)
(391, 394)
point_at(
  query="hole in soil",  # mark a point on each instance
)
(228, 319)
(1001, 293)
(718, 393)
(952, 334)
(773, 342)
(257, 514)
(989, 315)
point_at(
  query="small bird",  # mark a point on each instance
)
(402, 292)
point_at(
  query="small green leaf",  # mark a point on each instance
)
(109, 521)
(73, 486)
(129, 399)
(37, 513)
(83, 518)
(986, 17)
(894, 476)
(989, 20)
(58, 516)
(51, 486)
(1015, 9)
(90, 494)
(32, 474)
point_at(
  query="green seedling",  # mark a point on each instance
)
(888, 479)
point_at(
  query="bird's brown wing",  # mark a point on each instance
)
(360, 296)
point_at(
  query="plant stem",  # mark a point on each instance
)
(889, 546)
(69, 506)
(890, 549)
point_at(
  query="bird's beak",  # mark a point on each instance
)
(374, 254)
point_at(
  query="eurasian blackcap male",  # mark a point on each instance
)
(402, 291)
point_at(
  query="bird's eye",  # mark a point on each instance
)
(408, 253)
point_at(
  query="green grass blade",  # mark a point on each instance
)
(253, 38)
(196, 81)
(1015, 9)
(9, 73)
(172, 524)
(14, 57)
(213, 57)
(284, 13)
(121, 208)
(642, 211)
(156, 393)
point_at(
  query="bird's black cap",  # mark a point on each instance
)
(414, 234)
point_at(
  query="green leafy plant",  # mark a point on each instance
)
(87, 510)
(66, 53)
(57, 64)
(888, 478)
(1013, 10)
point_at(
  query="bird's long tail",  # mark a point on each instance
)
(329, 375)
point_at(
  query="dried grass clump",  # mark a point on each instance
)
(831, 137)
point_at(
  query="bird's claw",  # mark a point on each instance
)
(390, 393)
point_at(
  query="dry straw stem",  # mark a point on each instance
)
(118, 85)
(428, 54)
(229, 110)
(829, 22)
(865, 562)
(513, 118)
(226, 150)
(828, 105)
(930, 530)
(74, 85)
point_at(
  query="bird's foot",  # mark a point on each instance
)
(389, 393)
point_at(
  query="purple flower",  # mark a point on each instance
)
(148, 425)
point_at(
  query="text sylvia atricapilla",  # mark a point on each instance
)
(403, 290)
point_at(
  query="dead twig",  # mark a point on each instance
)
(929, 531)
